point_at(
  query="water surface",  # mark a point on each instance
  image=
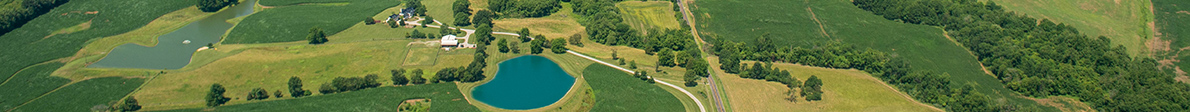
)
(525, 82)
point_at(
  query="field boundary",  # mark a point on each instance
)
(696, 101)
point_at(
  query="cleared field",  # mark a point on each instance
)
(844, 90)
(1126, 22)
(421, 56)
(619, 91)
(805, 22)
(443, 96)
(643, 15)
(29, 84)
(84, 95)
(293, 22)
(557, 25)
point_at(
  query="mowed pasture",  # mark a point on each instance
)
(616, 90)
(844, 90)
(1125, 22)
(84, 95)
(270, 67)
(808, 22)
(644, 15)
(444, 97)
(287, 22)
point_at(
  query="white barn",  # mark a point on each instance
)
(449, 41)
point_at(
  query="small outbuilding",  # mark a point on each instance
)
(449, 41)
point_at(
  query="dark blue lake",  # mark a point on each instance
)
(525, 82)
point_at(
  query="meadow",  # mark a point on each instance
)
(270, 67)
(649, 15)
(444, 97)
(293, 22)
(84, 95)
(560, 24)
(805, 23)
(1125, 22)
(616, 90)
(845, 90)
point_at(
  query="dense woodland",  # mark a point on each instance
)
(1041, 58)
(524, 8)
(16, 16)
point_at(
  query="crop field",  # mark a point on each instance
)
(444, 97)
(558, 25)
(84, 95)
(292, 23)
(421, 56)
(1172, 27)
(270, 67)
(845, 90)
(29, 84)
(649, 15)
(32, 43)
(1124, 21)
(924, 47)
(619, 91)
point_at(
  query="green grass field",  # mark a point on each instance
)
(29, 84)
(292, 23)
(270, 67)
(84, 95)
(444, 97)
(925, 47)
(649, 15)
(845, 90)
(1124, 21)
(619, 91)
(441, 10)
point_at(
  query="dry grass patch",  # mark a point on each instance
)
(558, 25)
(844, 90)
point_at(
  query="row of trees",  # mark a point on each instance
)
(345, 84)
(524, 8)
(215, 5)
(15, 16)
(1042, 58)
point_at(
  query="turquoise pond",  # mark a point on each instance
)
(525, 82)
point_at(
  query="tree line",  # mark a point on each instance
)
(524, 8)
(17, 15)
(215, 5)
(1042, 58)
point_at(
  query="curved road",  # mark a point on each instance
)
(696, 101)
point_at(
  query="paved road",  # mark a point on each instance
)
(710, 80)
(696, 101)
